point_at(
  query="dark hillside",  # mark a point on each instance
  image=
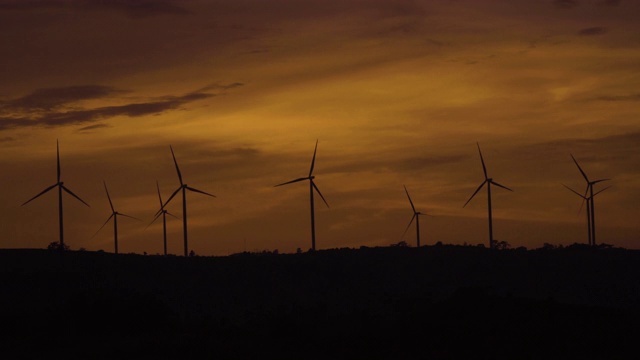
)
(442, 302)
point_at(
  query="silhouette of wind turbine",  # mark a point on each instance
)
(587, 199)
(589, 191)
(416, 216)
(114, 215)
(61, 187)
(164, 214)
(489, 181)
(312, 186)
(183, 187)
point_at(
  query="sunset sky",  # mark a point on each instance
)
(395, 92)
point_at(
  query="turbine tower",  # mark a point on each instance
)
(164, 214)
(416, 216)
(489, 181)
(114, 215)
(590, 193)
(183, 187)
(60, 185)
(588, 200)
(312, 187)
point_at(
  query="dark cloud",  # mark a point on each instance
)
(93, 127)
(591, 31)
(565, 4)
(221, 87)
(7, 139)
(130, 8)
(53, 98)
(52, 107)
(632, 97)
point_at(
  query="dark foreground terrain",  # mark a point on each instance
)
(436, 302)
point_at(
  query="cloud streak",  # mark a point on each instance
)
(592, 31)
(56, 107)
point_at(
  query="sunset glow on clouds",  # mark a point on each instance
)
(396, 93)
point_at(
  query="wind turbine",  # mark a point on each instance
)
(114, 215)
(488, 181)
(416, 216)
(588, 200)
(183, 187)
(164, 214)
(312, 186)
(589, 191)
(61, 187)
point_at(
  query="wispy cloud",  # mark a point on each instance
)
(53, 98)
(631, 97)
(59, 106)
(591, 31)
(93, 127)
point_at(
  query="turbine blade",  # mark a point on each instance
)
(409, 225)
(502, 186)
(319, 193)
(411, 202)
(313, 160)
(105, 223)
(58, 157)
(74, 195)
(484, 168)
(170, 197)
(108, 197)
(170, 214)
(585, 198)
(579, 168)
(597, 181)
(176, 162)
(199, 191)
(577, 193)
(40, 193)
(154, 220)
(601, 191)
(292, 181)
(129, 216)
(573, 191)
(474, 194)
(159, 196)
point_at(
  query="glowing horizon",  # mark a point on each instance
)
(395, 94)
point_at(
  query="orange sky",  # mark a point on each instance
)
(396, 93)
